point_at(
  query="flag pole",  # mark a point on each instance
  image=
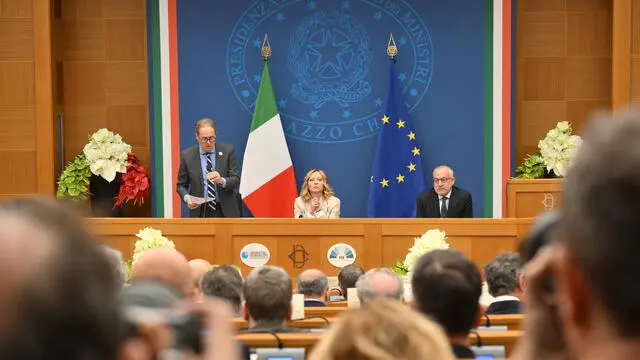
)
(392, 48)
(266, 48)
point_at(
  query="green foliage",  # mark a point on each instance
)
(532, 168)
(128, 266)
(74, 180)
(400, 269)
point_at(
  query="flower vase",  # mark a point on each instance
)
(549, 174)
(103, 194)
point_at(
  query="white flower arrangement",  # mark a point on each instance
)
(150, 238)
(558, 148)
(107, 154)
(433, 239)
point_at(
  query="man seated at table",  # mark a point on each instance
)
(224, 282)
(198, 267)
(347, 278)
(267, 295)
(314, 285)
(447, 288)
(444, 200)
(380, 283)
(502, 275)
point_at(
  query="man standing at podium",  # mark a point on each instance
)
(208, 175)
(444, 200)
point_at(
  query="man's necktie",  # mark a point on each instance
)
(443, 207)
(211, 187)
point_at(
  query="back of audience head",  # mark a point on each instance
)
(198, 267)
(545, 337)
(447, 287)
(117, 264)
(313, 284)
(383, 330)
(595, 263)
(223, 282)
(502, 275)
(164, 265)
(380, 283)
(348, 277)
(60, 297)
(267, 295)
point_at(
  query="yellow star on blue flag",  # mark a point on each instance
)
(398, 158)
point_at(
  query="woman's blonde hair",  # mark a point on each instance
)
(383, 330)
(304, 192)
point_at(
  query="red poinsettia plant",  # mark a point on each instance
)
(134, 184)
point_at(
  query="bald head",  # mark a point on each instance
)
(165, 265)
(198, 267)
(313, 284)
(380, 283)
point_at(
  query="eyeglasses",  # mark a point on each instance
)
(208, 139)
(441, 180)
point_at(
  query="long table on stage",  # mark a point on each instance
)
(299, 244)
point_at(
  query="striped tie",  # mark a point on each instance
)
(211, 187)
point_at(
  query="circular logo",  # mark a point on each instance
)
(254, 255)
(341, 255)
(329, 68)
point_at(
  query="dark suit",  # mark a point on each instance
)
(258, 329)
(314, 303)
(191, 180)
(460, 204)
(462, 352)
(504, 308)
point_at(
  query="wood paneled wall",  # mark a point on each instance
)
(563, 66)
(635, 53)
(17, 99)
(104, 75)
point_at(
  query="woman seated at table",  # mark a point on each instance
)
(316, 198)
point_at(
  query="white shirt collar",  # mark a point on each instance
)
(448, 196)
(505, 298)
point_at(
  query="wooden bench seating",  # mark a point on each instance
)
(508, 339)
(512, 322)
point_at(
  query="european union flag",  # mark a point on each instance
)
(397, 176)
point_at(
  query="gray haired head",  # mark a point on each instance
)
(502, 274)
(380, 283)
(312, 283)
(267, 292)
(117, 264)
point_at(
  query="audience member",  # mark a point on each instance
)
(594, 262)
(447, 287)
(314, 285)
(224, 282)
(267, 295)
(347, 278)
(117, 264)
(502, 275)
(380, 283)
(164, 265)
(198, 268)
(383, 330)
(59, 299)
(544, 335)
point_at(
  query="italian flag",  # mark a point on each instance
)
(268, 183)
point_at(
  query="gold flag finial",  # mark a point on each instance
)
(266, 48)
(392, 48)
